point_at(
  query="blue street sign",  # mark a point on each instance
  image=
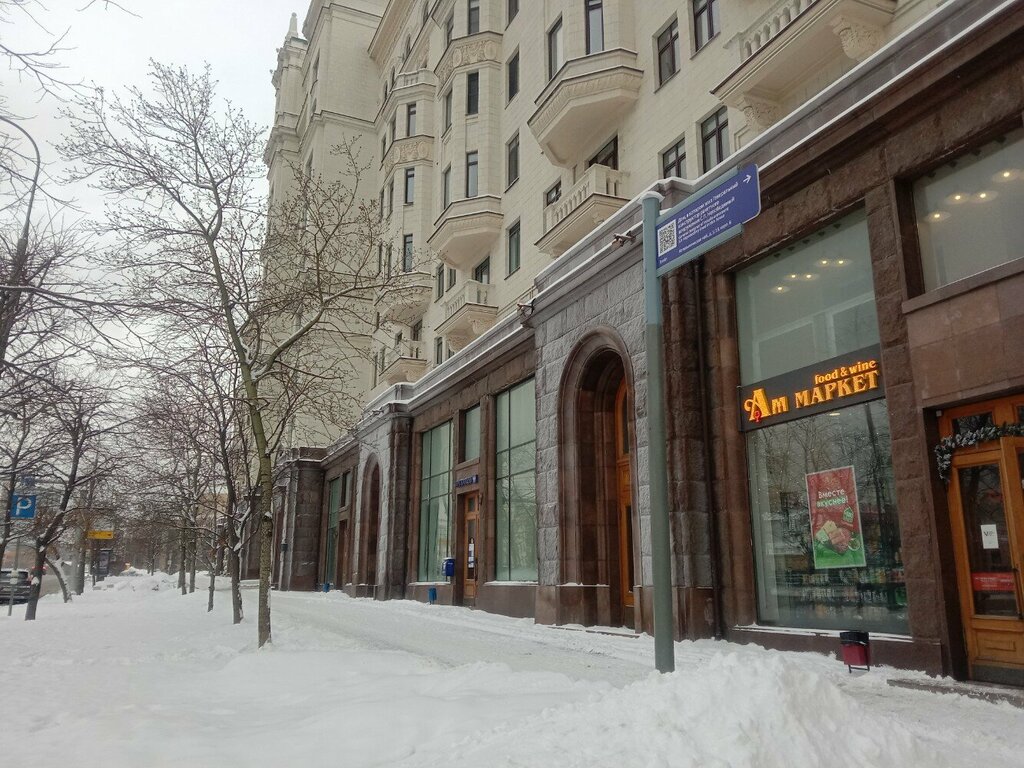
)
(699, 224)
(23, 507)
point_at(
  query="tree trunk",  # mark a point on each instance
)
(55, 567)
(213, 577)
(83, 554)
(37, 583)
(192, 561)
(182, 564)
(266, 534)
(235, 572)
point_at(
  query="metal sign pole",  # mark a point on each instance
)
(13, 581)
(661, 548)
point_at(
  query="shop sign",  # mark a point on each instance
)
(462, 482)
(998, 581)
(836, 534)
(836, 383)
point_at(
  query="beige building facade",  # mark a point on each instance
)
(501, 458)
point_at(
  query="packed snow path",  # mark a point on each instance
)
(142, 678)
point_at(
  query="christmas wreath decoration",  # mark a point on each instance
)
(944, 450)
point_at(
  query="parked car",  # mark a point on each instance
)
(21, 585)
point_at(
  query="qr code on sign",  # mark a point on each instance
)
(666, 238)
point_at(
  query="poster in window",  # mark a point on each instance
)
(836, 534)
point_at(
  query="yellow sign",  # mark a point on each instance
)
(847, 379)
(99, 534)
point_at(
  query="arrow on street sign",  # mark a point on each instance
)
(708, 219)
(23, 507)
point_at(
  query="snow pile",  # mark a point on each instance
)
(135, 580)
(742, 710)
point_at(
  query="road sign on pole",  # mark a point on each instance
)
(708, 219)
(107, 534)
(698, 224)
(23, 507)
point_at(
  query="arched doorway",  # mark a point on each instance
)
(598, 485)
(369, 527)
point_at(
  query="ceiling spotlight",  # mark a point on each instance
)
(985, 196)
(938, 216)
(779, 289)
(956, 197)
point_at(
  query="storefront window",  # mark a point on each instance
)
(333, 513)
(968, 212)
(435, 501)
(515, 486)
(471, 434)
(809, 302)
(825, 529)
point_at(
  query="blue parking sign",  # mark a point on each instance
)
(23, 507)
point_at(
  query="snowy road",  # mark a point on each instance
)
(133, 677)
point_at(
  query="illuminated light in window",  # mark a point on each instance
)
(779, 289)
(957, 197)
(985, 196)
(824, 262)
(840, 262)
(1008, 174)
(793, 277)
(938, 216)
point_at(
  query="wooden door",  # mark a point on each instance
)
(624, 477)
(987, 505)
(470, 547)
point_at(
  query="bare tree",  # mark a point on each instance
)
(286, 289)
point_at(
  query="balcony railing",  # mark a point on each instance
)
(593, 198)
(403, 362)
(468, 313)
(406, 297)
(785, 52)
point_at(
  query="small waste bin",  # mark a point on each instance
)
(449, 567)
(327, 586)
(855, 647)
(431, 595)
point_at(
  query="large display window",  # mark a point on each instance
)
(515, 484)
(435, 501)
(825, 529)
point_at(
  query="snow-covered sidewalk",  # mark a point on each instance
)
(132, 676)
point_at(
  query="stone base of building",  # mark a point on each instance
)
(693, 609)
(516, 600)
(903, 653)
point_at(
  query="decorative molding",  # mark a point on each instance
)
(412, 149)
(859, 39)
(761, 114)
(483, 47)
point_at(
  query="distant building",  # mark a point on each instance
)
(505, 423)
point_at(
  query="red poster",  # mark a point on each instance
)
(836, 534)
(992, 582)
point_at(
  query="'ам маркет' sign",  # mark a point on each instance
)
(836, 383)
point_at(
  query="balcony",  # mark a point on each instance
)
(418, 85)
(596, 196)
(584, 102)
(786, 52)
(405, 297)
(467, 314)
(405, 362)
(466, 230)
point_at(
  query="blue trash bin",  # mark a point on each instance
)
(432, 595)
(449, 567)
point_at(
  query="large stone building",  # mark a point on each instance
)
(867, 316)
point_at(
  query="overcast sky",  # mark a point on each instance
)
(238, 38)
